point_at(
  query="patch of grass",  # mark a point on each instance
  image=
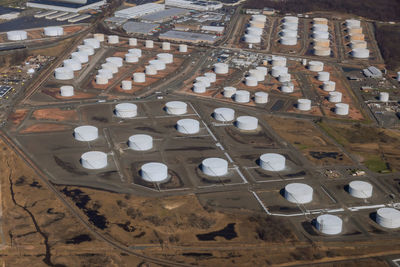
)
(333, 133)
(376, 164)
(301, 146)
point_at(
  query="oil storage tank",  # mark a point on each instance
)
(94, 160)
(86, 133)
(17, 35)
(229, 91)
(388, 217)
(329, 86)
(53, 31)
(242, 96)
(66, 90)
(154, 172)
(64, 73)
(95, 43)
(304, 104)
(341, 109)
(224, 114)
(214, 167)
(126, 110)
(329, 224)
(221, 68)
(140, 142)
(188, 126)
(176, 107)
(299, 193)
(335, 97)
(247, 123)
(261, 97)
(272, 162)
(360, 189)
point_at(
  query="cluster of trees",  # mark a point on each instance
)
(388, 37)
(383, 10)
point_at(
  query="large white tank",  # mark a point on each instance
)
(72, 64)
(352, 23)
(291, 19)
(320, 27)
(261, 97)
(88, 49)
(116, 60)
(176, 107)
(149, 44)
(360, 189)
(278, 61)
(264, 70)
(131, 58)
(283, 78)
(320, 21)
(135, 51)
(204, 80)
(251, 81)
(160, 65)
(99, 37)
(166, 46)
(247, 123)
(188, 126)
(320, 35)
(254, 31)
(289, 33)
(355, 30)
(388, 217)
(329, 224)
(259, 18)
(329, 86)
(290, 26)
(53, 31)
(86, 133)
(167, 58)
(322, 51)
(110, 66)
(323, 76)
(150, 70)
(229, 91)
(105, 73)
(384, 96)
(183, 48)
(199, 87)
(360, 53)
(272, 162)
(299, 193)
(212, 77)
(315, 66)
(258, 74)
(242, 96)
(140, 142)
(214, 167)
(252, 38)
(95, 43)
(335, 97)
(101, 80)
(66, 90)
(321, 42)
(278, 70)
(288, 40)
(126, 110)
(304, 104)
(287, 87)
(64, 73)
(139, 77)
(358, 44)
(113, 39)
(154, 172)
(257, 24)
(224, 114)
(126, 85)
(94, 160)
(221, 68)
(341, 109)
(82, 57)
(132, 42)
(356, 37)
(17, 35)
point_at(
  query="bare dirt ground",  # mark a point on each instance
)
(55, 114)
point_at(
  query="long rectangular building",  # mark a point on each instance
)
(200, 5)
(139, 11)
(191, 37)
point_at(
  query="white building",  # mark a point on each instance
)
(200, 5)
(66, 5)
(139, 11)
(216, 29)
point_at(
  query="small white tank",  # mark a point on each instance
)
(131, 58)
(242, 96)
(278, 70)
(224, 114)
(254, 31)
(283, 78)
(341, 109)
(82, 57)
(176, 107)
(288, 40)
(272, 162)
(212, 77)
(320, 27)
(322, 51)
(360, 53)
(323, 76)
(199, 87)
(135, 51)
(258, 74)
(110, 66)
(17, 35)
(160, 65)
(139, 77)
(229, 91)
(53, 31)
(204, 80)
(140, 142)
(321, 43)
(66, 90)
(251, 81)
(264, 70)
(299, 193)
(64, 73)
(113, 39)
(320, 35)
(356, 37)
(94, 160)
(116, 60)
(72, 64)
(335, 97)
(384, 96)
(315, 66)
(329, 224)
(329, 86)
(261, 97)
(355, 30)
(360, 189)
(126, 85)
(289, 33)
(304, 104)
(149, 44)
(99, 37)
(214, 167)
(154, 172)
(320, 21)
(150, 70)
(221, 68)
(101, 80)
(183, 48)
(86, 133)
(95, 43)
(259, 18)
(287, 88)
(167, 58)
(358, 44)
(105, 73)
(88, 49)
(291, 19)
(188, 126)
(166, 46)
(252, 38)
(388, 217)
(278, 61)
(247, 123)
(126, 110)
(290, 26)
(132, 42)
(352, 23)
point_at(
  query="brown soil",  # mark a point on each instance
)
(55, 114)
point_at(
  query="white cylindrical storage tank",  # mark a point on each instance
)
(224, 114)
(322, 51)
(356, 37)
(278, 61)
(154, 172)
(135, 51)
(360, 53)
(388, 217)
(94, 160)
(259, 18)
(204, 80)
(188, 126)
(278, 70)
(140, 142)
(95, 43)
(131, 58)
(132, 42)
(82, 57)
(257, 24)
(264, 70)
(113, 39)
(384, 96)
(150, 70)
(116, 60)
(242, 96)
(72, 64)
(64, 73)
(139, 77)
(320, 35)
(360, 189)
(66, 90)
(289, 33)
(110, 66)
(261, 97)
(105, 73)
(221, 68)
(214, 167)
(283, 78)
(329, 224)
(212, 77)
(335, 97)
(341, 109)
(17, 35)
(167, 58)
(199, 87)
(53, 31)
(149, 44)
(258, 74)
(88, 49)
(99, 37)
(320, 21)
(355, 30)
(299, 193)
(398, 76)
(176, 107)
(287, 87)
(329, 86)
(254, 31)
(323, 76)
(358, 44)
(183, 48)
(158, 64)
(252, 38)
(352, 23)
(126, 85)
(288, 40)
(229, 91)
(272, 162)
(304, 104)
(101, 79)
(166, 46)
(251, 81)
(291, 19)
(315, 66)
(86, 133)
(126, 110)
(321, 43)
(290, 26)
(320, 27)
(247, 123)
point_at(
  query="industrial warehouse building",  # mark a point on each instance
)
(139, 11)
(191, 37)
(66, 5)
(199, 5)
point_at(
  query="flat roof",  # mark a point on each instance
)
(164, 14)
(189, 36)
(139, 27)
(64, 4)
(4, 90)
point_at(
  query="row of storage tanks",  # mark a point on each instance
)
(289, 32)
(321, 41)
(358, 44)
(19, 35)
(255, 29)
